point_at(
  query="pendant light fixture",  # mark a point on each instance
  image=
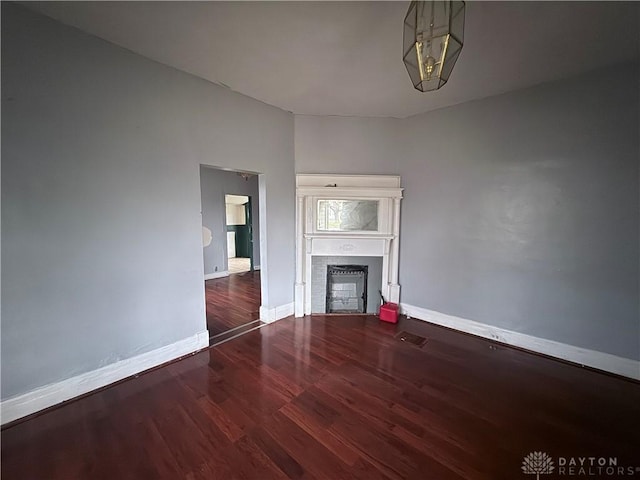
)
(433, 38)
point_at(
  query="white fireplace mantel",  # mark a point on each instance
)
(384, 242)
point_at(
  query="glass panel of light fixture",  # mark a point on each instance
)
(454, 49)
(457, 21)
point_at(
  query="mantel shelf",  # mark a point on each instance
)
(344, 235)
(350, 192)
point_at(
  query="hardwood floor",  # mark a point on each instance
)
(334, 397)
(232, 301)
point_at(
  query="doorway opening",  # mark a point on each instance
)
(231, 218)
(239, 233)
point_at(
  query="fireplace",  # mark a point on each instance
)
(355, 218)
(346, 288)
(319, 267)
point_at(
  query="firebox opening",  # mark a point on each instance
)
(347, 288)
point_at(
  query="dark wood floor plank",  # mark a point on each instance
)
(190, 448)
(255, 463)
(232, 301)
(309, 453)
(262, 372)
(378, 446)
(333, 397)
(219, 416)
(312, 421)
(278, 455)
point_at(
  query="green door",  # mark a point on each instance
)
(247, 212)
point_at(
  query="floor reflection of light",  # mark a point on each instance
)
(265, 345)
(385, 360)
(302, 341)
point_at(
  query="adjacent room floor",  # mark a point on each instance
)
(232, 301)
(336, 397)
(239, 264)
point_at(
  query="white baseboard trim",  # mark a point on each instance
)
(583, 356)
(49, 395)
(269, 315)
(211, 276)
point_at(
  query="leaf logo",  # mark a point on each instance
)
(537, 463)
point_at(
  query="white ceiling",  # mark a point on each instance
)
(345, 58)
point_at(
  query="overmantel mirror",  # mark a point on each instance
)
(347, 215)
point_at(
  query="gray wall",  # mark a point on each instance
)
(520, 211)
(348, 145)
(101, 225)
(214, 185)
